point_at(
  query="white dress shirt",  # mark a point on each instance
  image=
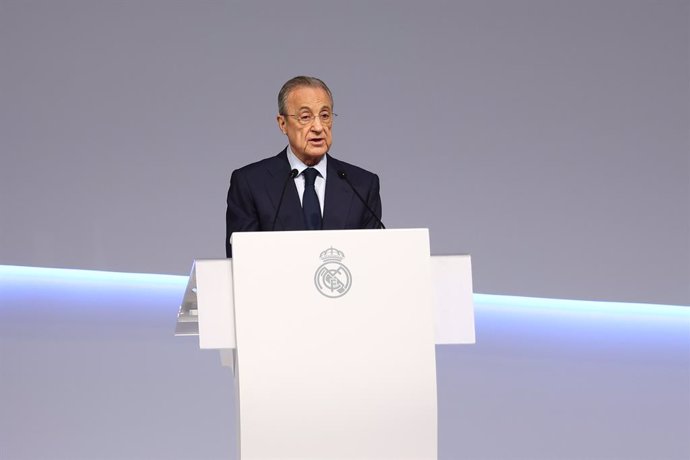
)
(319, 185)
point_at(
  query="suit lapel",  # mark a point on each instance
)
(338, 199)
(290, 216)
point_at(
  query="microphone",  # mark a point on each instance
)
(292, 175)
(343, 175)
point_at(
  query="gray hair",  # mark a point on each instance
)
(298, 82)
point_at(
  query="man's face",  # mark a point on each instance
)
(309, 141)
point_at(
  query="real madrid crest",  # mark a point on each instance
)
(332, 278)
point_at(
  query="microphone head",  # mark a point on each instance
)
(293, 173)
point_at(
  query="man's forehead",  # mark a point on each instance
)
(307, 97)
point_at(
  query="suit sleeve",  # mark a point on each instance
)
(374, 202)
(241, 214)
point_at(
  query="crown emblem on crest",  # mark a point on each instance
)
(332, 254)
(332, 278)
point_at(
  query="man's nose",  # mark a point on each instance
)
(317, 125)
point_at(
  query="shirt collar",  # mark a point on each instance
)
(296, 163)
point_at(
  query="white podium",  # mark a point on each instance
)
(331, 336)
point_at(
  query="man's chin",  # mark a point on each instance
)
(313, 160)
(312, 157)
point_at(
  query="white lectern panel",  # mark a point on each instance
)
(214, 290)
(453, 304)
(451, 279)
(335, 356)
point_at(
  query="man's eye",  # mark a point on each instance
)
(305, 118)
(325, 116)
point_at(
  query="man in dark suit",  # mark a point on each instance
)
(303, 187)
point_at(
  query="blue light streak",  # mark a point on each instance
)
(13, 276)
(76, 276)
(544, 305)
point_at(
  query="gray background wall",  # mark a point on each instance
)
(549, 139)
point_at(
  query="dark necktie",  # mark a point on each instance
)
(310, 201)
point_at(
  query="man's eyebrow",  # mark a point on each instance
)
(325, 107)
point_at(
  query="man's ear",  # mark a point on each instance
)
(281, 123)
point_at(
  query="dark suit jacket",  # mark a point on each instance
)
(255, 191)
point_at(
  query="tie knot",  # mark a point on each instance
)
(310, 175)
